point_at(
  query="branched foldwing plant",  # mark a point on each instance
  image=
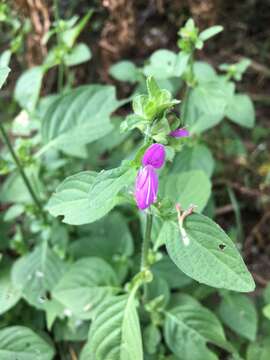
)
(122, 247)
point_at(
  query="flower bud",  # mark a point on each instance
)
(154, 155)
(146, 187)
(178, 133)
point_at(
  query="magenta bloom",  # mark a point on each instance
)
(154, 155)
(178, 133)
(146, 187)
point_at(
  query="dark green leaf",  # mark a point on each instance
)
(79, 117)
(239, 314)
(204, 252)
(21, 343)
(85, 285)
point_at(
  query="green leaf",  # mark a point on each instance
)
(207, 254)
(5, 60)
(204, 72)
(36, 274)
(71, 199)
(151, 338)
(206, 104)
(210, 97)
(165, 64)
(79, 117)
(197, 157)
(239, 313)
(4, 71)
(115, 332)
(158, 288)
(191, 187)
(14, 187)
(86, 197)
(189, 327)
(259, 350)
(166, 269)
(107, 238)
(210, 32)
(241, 111)
(86, 284)
(78, 55)
(28, 88)
(21, 343)
(9, 295)
(125, 71)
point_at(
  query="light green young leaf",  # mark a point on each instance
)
(4, 71)
(125, 71)
(191, 187)
(79, 54)
(9, 295)
(21, 343)
(86, 284)
(189, 327)
(239, 314)
(241, 110)
(28, 87)
(87, 196)
(210, 32)
(197, 157)
(207, 254)
(36, 274)
(78, 117)
(115, 332)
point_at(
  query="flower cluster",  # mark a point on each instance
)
(146, 186)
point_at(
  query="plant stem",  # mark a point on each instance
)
(146, 241)
(145, 249)
(21, 171)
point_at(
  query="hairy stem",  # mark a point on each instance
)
(21, 171)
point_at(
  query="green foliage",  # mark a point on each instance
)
(4, 71)
(189, 327)
(186, 188)
(19, 342)
(87, 121)
(115, 333)
(86, 197)
(86, 283)
(239, 314)
(202, 250)
(70, 230)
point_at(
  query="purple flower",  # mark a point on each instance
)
(154, 155)
(146, 187)
(178, 133)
